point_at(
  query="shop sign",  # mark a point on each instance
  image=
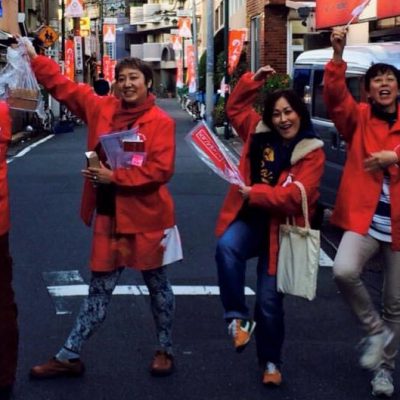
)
(388, 8)
(78, 53)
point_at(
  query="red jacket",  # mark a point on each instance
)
(5, 137)
(307, 163)
(364, 133)
(143, 202)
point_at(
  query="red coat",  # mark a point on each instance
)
(5, 137)
(364, 133)
(307, 163)
(143, 202)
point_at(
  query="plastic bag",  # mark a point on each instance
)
(18, 83)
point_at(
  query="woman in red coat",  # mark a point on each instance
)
(279, 148)
(8, 308)
(366, 206)
(134, 222)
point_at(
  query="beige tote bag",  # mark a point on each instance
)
(298, 258)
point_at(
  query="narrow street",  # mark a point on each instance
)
(50, 247)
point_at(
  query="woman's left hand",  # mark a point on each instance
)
(98, 175)
(245, 191)
(380, 159)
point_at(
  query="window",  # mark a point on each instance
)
(301, 79)
(354, 84)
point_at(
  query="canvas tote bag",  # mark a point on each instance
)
(298, 258)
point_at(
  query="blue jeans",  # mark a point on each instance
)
(245, 239)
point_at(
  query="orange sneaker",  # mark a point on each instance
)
(272, 376)
(241, 331)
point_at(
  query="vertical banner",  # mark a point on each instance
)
(179, 72)
(333, 13)
(176, 42)
(191, 69)
(185, 27)
(78, 54)
(109, 33)
(1, 8)
(236, 40)
(388, 8)
(73, 8)
(69, 70)
(109, 68)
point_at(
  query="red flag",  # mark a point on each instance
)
(236, 40)
(69, 68)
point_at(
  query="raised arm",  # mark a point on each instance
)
(77, 97)
(240, 109)
(342, 107)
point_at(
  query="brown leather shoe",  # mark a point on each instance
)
(162, 364)
(55, 368)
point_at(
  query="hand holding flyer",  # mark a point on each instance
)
(211, 151)
(124, 149)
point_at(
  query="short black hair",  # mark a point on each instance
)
(135, 63)
(379, 69)
(295, 101)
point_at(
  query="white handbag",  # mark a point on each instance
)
(298, 258)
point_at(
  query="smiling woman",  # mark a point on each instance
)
(367, 206)
(134, 79)
(281, 147)
(131, 208)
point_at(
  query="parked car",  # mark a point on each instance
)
(308, 83)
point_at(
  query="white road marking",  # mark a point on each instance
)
(139, 290)
(29, 148)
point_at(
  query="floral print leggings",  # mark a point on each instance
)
(94, 307)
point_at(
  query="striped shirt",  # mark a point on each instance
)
(381, 226)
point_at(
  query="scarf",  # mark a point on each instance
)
(270, 155)
(126, 116)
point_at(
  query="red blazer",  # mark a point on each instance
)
(143, 202)
(307, 164)
(360, 190)
(5, 137)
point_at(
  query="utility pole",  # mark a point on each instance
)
(100, 28)
(227, 129)
(210, 63)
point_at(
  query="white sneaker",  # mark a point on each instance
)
(373, 347)
(382, 384)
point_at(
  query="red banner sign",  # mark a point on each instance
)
(184, 26)
(179, 72)
(69, 70)
(236, 40)
(334, 12)
(388, 8)
(191, 70)
(211, 151)
(109, 68)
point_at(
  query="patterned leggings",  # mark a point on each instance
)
(94, 308)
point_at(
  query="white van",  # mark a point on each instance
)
(308, 83)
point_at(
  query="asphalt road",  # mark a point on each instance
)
(47, 237)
